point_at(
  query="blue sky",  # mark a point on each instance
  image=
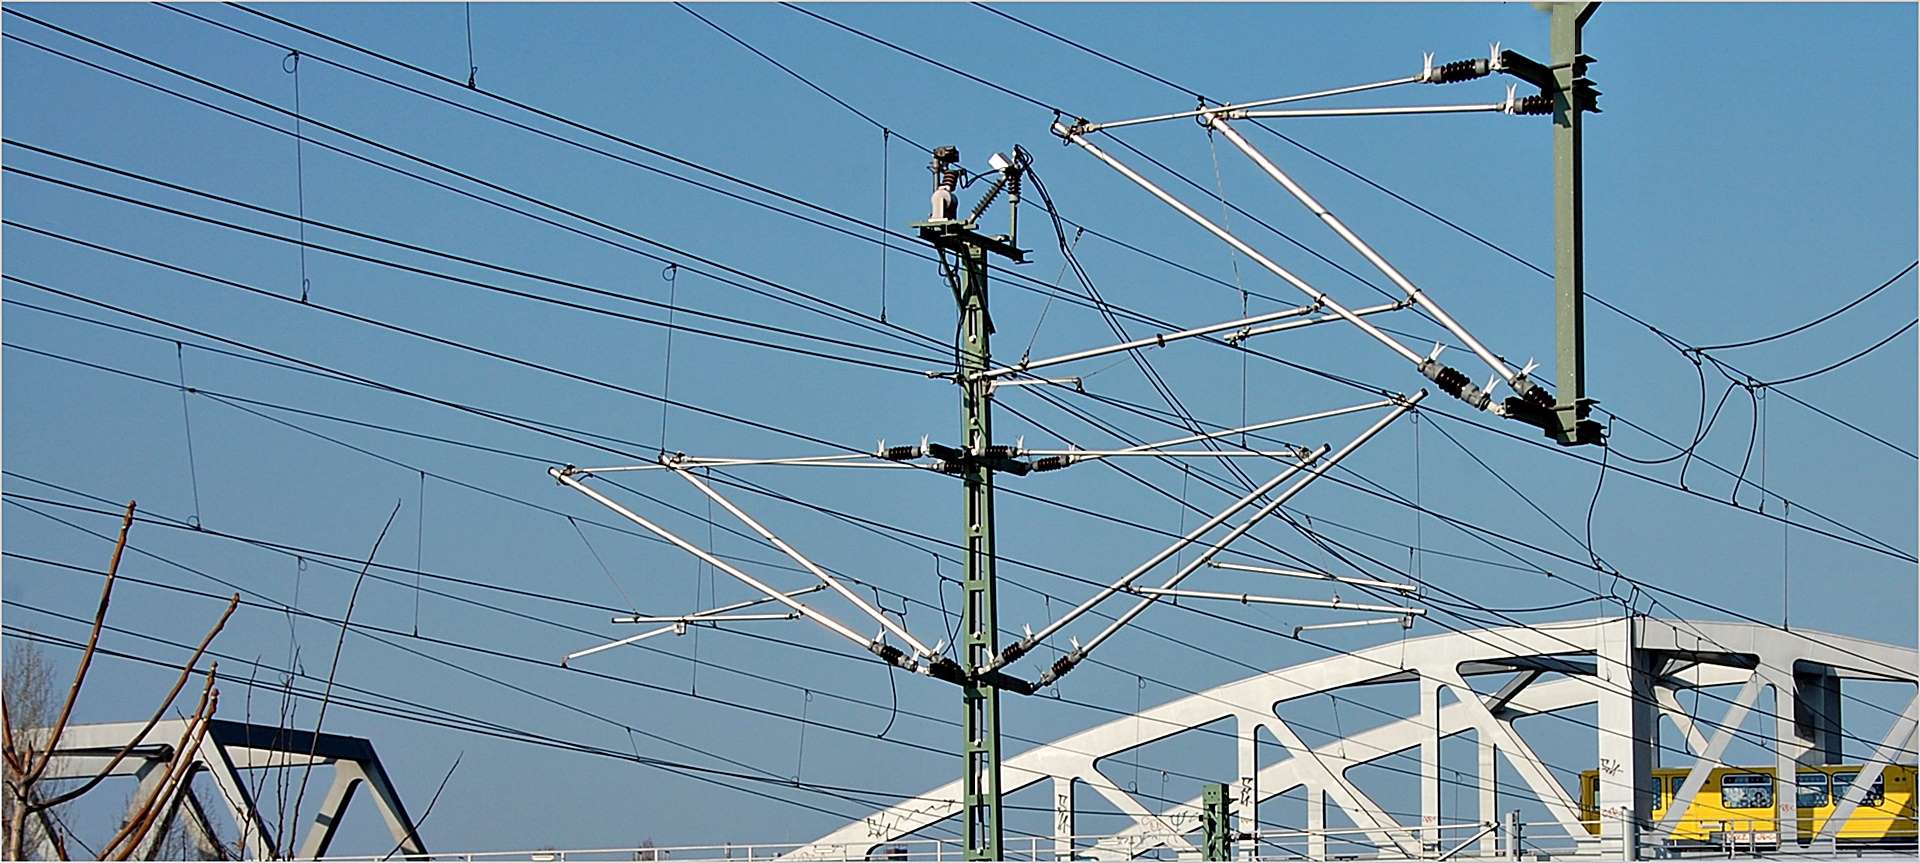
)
(1746, 176)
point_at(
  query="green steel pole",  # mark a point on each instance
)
(1569, 254)
(981, 640)
(1214, 819)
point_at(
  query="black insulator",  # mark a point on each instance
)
(1539, 397)
(1534, 105)
(1012, 465)
(998, 451)
(1063, 665)
(1450, 380)
(1052, 462)
(900, 453)
(987, 199)
(1462, 70)
(1013, 652)
(888, 652)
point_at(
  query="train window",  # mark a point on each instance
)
(1677, 781)
(1811, 790)
(1876, 794)
(1746, 791)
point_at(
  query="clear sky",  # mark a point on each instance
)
(1754, 169)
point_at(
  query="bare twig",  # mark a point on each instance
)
(175, 784)
(414, 833)
(54, 833)
(39, 767)
(326, 694)
(186, 671)
(183, 751)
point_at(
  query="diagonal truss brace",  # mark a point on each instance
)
(1886, 753)
(569, 476)
(1314, 468)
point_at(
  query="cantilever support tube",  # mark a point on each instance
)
(1319, 297)
(1152, 341)
(1017, 649)
(1150, 448)
(1319, 468)
(1398, 587)
(870, 644)
(1236, 330)
(1505, 372)
(1257, 599)
(828, 580)
(1477, 108)
(1281, 100)
(713, 614)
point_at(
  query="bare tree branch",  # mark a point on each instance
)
(326, 695)
(414, 833)
(52, 742)
(128, 837)
(180, 682)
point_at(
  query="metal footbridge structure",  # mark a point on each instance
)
(1634, 669)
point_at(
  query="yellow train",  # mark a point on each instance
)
(1737, 804)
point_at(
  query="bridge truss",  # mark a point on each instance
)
(1633, 669)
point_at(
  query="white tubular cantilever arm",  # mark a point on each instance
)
(1253, 254)
(1014, 651)
(1302, 97)
(1158, 447)
(798, 558)
(1066, 663)
(696, 617)
(832, 625)
(1235, 338)
(1152, 341)
(1261, 426)
(1479, 108)
(1398, 587)
(1278, 600)
(725, 609)
(1227, 131)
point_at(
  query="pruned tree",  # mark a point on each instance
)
(31, 742)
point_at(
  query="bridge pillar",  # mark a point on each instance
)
(1627, 717)
(1429, 836)
(1816, 715)
(1247, 789)
(1063, 825)
(1316, 822)
(1489, 794)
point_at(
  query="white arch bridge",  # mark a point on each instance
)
(1633, 669)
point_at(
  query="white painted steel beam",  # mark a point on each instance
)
(810, 613)
(1505, 372)
(885, 622)
(1319, 297)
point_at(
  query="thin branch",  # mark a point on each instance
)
(182, 758)
(326, 695)
(53, 834)
(86, 658)
(176, 782)
(414, 832)
(179, 683)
